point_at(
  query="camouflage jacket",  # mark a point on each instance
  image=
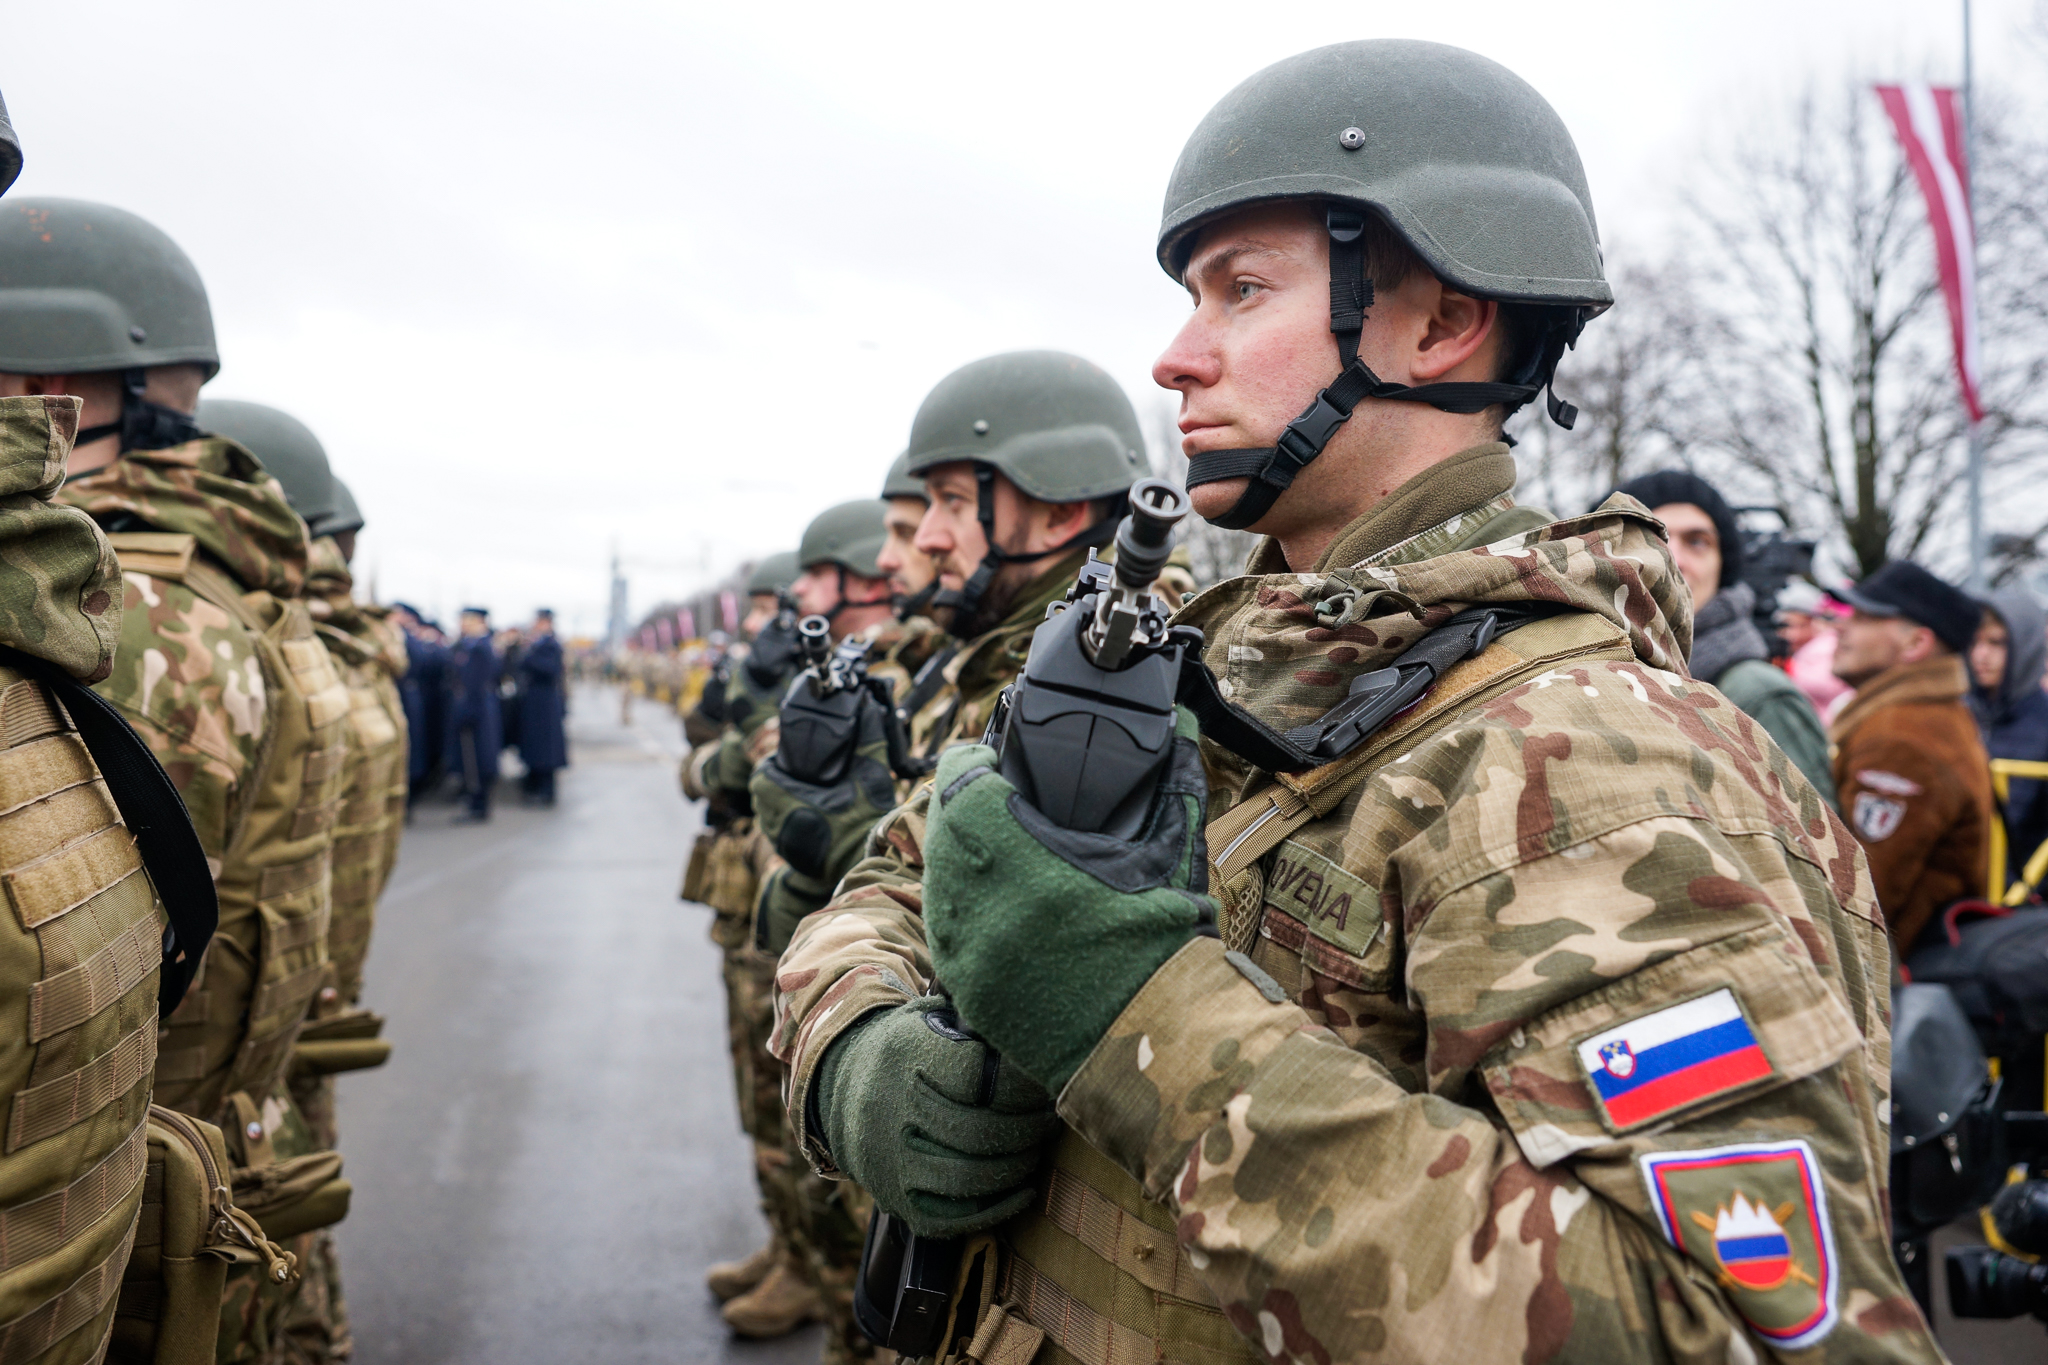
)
(222, 673)
(1556, 1030)
(190, 676)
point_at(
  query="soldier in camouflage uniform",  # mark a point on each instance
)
(82, 944)
(220, 670)
(338, 1036)
(727, 866)
(1549, 1022)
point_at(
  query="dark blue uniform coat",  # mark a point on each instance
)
(474, 732)
(543, 746)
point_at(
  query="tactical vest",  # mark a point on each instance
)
(78, 972)
(1095, 1269)
(236, 1025)
(363, 834)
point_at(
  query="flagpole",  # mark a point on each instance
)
(1976, 580)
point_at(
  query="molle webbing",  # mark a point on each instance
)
(64, 1000)
(42, 1225)
(274, 882)
(44, 1110)
(84, 1299)
(1097, 1267)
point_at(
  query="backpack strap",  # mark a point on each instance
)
(155, 816)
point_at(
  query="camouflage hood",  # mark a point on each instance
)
(210, 489)
(330, 587)
(60, 589)
(1287, 645)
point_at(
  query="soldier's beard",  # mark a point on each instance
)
(994, 606)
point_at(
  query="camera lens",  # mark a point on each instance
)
(1983, 1283)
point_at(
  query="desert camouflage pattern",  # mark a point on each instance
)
(1367, 1107)
(79, 940)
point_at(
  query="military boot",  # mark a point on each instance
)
(730, 1279)
(784, 1301)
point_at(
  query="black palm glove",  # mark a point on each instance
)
(942, 1132)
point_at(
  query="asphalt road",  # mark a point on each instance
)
(552, 1157)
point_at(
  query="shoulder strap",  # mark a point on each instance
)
(1258, 824)
(1374, 698)
(155, 815)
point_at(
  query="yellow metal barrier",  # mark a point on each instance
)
(2003, 771)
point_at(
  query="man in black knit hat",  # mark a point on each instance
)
(1727, 648)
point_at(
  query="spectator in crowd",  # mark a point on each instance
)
(1727, 648)
(1807, 619)
(1913, 777)
(2006, 663)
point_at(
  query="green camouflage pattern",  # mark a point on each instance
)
(1372, 1125)
(367, 826)
(210, 488)
(59, 584)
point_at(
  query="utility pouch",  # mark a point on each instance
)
(189, 1233)
(289, 1195)
(697, 871)
(348, 1041)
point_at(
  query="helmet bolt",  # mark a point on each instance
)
(981, 426)
(1351, 139)
(137, 335)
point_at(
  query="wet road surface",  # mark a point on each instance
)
(552, 1157)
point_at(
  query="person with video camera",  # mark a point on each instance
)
(1462, 980)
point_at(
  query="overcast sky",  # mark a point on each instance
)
(550, 277)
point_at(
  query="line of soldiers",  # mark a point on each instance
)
(1543, 1017)
(167, 1183)
(469, 700)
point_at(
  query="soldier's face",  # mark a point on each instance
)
(908, 567)
(1258, 348)
(760, 611)
(951, 530)
(1696, 545)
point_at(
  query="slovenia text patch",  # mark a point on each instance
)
(1654, 1066)
(1757, 1216)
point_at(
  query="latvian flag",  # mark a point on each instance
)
(1667, 1061)
(1929, 122)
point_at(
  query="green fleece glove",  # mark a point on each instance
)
(786, 897)
(821, 830)
(943, 1133)
(1041, 934)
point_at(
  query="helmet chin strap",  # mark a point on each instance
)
(1272, 469)
(966, 600)
(916, 603)
(143, 425)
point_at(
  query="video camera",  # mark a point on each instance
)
(1770, 560)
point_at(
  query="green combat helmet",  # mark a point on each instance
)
(849, 537)
(1053, 424)
(775, 573)
(10, 150)
(88, 289)
(287, 447)
(1459, 155)
(345, 519)
(899, 482)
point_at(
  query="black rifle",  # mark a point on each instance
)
(1084, 734)
(821, 712)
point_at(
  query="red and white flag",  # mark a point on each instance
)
(1929, 122)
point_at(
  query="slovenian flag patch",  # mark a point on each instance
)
(1661, 1063)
